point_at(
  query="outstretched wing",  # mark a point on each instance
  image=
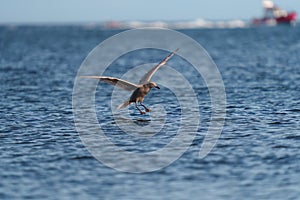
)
(146, 78)
(115, 81)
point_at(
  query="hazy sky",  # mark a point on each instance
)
(39, 11)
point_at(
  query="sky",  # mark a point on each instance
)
(72, 11)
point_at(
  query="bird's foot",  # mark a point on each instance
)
(147, 110)
(142, 113)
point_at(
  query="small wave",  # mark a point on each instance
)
(293, 137)
(82, 157)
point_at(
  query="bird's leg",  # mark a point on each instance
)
(146, 109)
(139, 109)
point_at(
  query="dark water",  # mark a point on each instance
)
(257, 156)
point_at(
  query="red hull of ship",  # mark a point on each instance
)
(290, 18)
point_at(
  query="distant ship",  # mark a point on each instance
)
(274, 15)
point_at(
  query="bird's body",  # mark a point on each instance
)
(139, 91)
(139, 94)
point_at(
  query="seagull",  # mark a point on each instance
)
(140, 90)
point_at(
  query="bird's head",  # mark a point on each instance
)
(152, 85)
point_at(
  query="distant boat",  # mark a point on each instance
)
(274, 15)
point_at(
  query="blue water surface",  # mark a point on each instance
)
(256, 157)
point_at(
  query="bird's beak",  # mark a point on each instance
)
(157, 87)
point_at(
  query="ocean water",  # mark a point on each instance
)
(256, 157)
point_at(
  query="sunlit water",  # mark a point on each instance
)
(257, 155)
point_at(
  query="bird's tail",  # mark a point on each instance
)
(123, 105)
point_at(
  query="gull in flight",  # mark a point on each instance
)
(139, 90)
